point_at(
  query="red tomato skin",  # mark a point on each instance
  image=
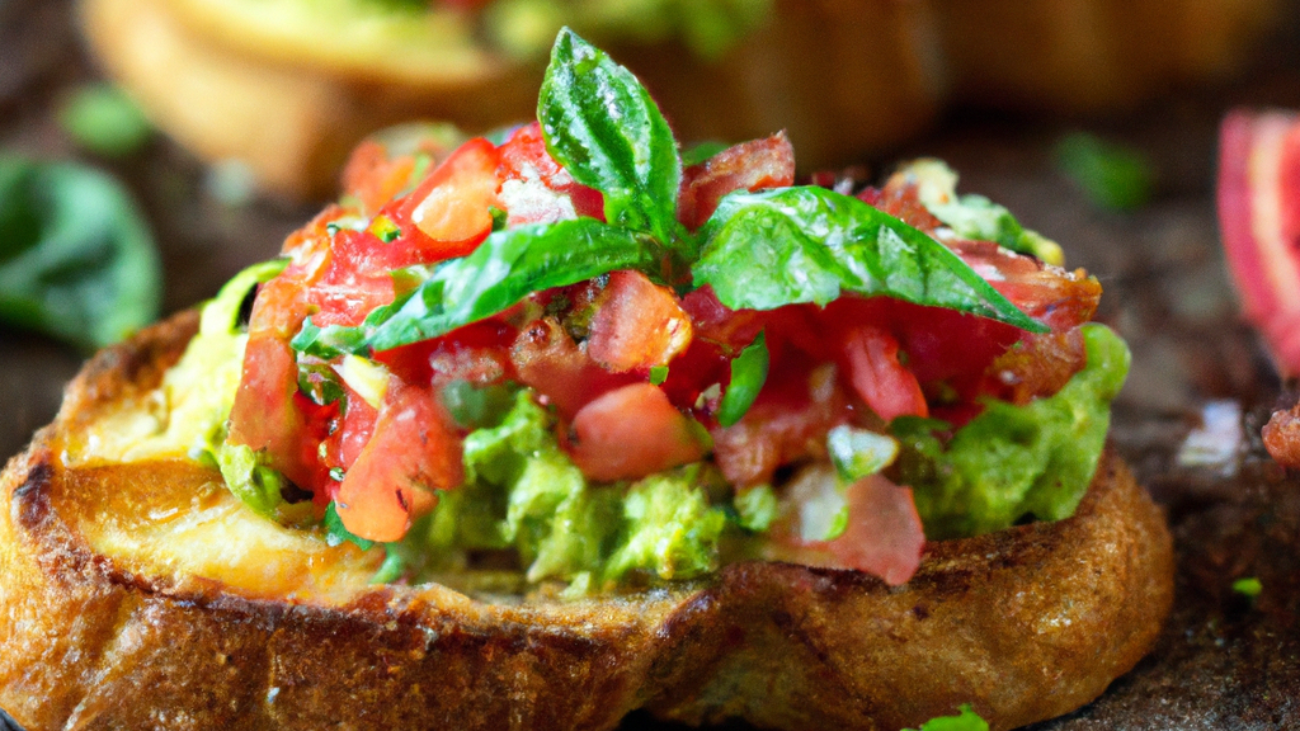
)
(632, 432)
(637, 325)
(448, 215)
(563, 374)
(524, 158)
(412, 452)
(884, 536)
(788, 423)
(752, 166)
(871, 357)
(265, 415)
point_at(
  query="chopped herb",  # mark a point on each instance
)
(748, 374)
(1112, 176)
(104, 120)
(658, 374)
(385, 230)
(965, 720)
(1248, 587)
(337, 474)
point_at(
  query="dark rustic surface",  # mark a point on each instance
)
(1224, 662)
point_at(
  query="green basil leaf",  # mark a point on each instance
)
(807, 244)
(76, 259)
(748, 374)
(505, 268)
(600, 123)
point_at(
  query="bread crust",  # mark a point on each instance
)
(1024, 624)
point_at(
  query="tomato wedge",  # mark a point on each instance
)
(884, 383)
(637, 324)
(752, 166)
(632, 432)
(884, 536)
(412, 452)
(452, 206)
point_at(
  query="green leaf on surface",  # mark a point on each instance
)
(1112, 176)
(76, 259)
(103, 119)
(806, 244)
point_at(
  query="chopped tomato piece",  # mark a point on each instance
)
(752, 166)
(412, 452)
(715, 322)
(637, 324)
(788, 423)
(901, 199)
(632, 432)
(547, 359)
(536, 189)
(884, 536)
(265, 415)
(451, 205)
(374, 179)
(885, 384)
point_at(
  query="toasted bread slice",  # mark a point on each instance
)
(142, 595)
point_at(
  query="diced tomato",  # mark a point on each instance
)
(413, 452)
(632, 432)
(536, 189)
(451, 206)
(886, 385)
(374, 179)
(266, 416)
(900, 199)
(637, 324)
(884, 536)
(752, 166)
(547, 359)
(352, 431)
(788, 423)
(478, 353)
(715, 322)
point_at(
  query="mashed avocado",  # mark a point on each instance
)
(1015, 461)
(523, 491)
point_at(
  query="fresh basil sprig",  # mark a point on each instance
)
(806, 244)
(600, 123)
(759, 250)
(505, 268)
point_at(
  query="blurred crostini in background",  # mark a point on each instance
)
(288, 86)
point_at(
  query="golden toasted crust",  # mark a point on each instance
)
(1025, 624)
